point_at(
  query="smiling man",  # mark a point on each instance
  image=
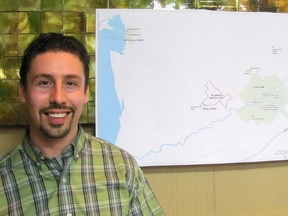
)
(54, 94)
(59, 169)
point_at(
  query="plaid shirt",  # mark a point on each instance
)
(96, 178)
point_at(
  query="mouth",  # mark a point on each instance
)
(57, 115)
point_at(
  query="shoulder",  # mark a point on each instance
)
(112, 154)
(11, 159)
(107, 148)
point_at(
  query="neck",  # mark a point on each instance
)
(51, 147)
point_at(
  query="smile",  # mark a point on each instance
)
(57, 115)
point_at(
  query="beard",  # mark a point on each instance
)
(59, 130)
(55, 131)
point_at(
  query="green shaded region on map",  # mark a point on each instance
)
(265, 98)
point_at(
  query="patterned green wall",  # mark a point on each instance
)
(22, 20)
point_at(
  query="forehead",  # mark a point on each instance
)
(57, 63)
(56, 56)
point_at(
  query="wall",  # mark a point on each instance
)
(252, 189)
(222, 190)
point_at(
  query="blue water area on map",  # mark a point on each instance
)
(109, 108)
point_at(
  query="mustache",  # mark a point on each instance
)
(57, 106)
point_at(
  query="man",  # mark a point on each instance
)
(58, 169)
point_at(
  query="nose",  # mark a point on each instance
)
(58, 94)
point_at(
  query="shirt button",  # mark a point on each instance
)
(64, 181)
(69, 214)
(42, 158)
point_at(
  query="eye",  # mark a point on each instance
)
(44, 83)
(71, 83)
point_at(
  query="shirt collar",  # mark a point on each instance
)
(73, 149)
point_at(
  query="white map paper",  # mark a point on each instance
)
(193, 87)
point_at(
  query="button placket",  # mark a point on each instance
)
(65, 201)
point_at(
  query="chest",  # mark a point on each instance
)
(79, 188)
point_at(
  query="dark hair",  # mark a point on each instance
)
(53, 42)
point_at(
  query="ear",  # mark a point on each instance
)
(87, 94)
(21, 93)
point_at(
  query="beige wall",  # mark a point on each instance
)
(251, 189)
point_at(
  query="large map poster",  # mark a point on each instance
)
(178, 87)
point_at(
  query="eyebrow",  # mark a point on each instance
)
(41, 76)
(44, 75)
(73, 76)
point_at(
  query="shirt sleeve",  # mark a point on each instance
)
(143, 200)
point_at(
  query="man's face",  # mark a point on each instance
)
(54, 96)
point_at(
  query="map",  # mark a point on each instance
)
(187, 87)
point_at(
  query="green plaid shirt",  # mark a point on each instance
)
(96, 178)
